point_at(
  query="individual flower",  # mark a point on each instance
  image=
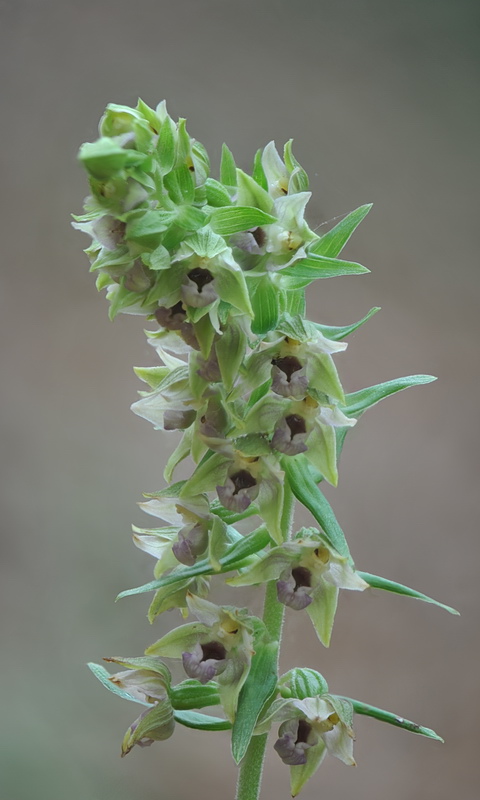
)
(302, 426)
(240, 479)
(219, 646)
(171, 405)
(146, 680)
(193, 531)
(283, 176)
(309, 729)
(309, 573)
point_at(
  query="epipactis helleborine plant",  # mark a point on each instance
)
(219, 270)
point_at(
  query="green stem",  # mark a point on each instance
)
(251, 767)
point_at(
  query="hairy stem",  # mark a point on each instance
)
(251, 767)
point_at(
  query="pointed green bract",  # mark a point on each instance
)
(256, 691)
(225, 221)
(201, 722)
(332, 243)
(358, 402)
(392, 719)
(398, 588)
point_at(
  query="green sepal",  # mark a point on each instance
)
(392, 719)
(190, 218)
(148, 228)
(234, 219)
(232, 288)
(158, 259)
(181, 452)
(158, 724)
(298, 181)
(166, 146)
(105, 157)
(301, 774)
(205, 334)
(264, 296)
(337, 333)
(217, 543)
(230, 349)
(301, 683)
(358, 402)
(333, 242)
(398, 588)
(322, 451)
(256, 691)
(174, 643)
(201, 722)
(216, 194)
(104, 677)
(234, 558)
(153, 376)
(258, 173)
(250, 193)
(307, 492)
(207, 475)
(322, 611)
(313, 267)
(228, 168)
(150, 663)
(193, 694)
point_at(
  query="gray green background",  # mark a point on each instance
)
(381, 99)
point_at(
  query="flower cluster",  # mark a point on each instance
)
(219, 268)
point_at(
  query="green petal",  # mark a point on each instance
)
(322, 611)
(300, 775)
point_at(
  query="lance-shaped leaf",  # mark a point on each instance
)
(234, 219)
(313, 267)
(201, 722)
(256, 691)
(307, 492)
(358, 402)
(392, 719)
(376, 582)
(340, 332)
(333, 242)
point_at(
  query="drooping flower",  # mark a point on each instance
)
(309, 573)
(309, 729)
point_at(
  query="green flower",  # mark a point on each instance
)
(309, 574)
(146, 680)
(219, 646)
(309, 729)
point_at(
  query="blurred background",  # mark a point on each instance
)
(381, 99)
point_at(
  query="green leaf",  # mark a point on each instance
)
(338, 333)
(234, 219)
(256, 691)
(228, 169)
(391, 586)
(201, 722)
(392, 719)
(309, 269)
(358, 402)
(265, 298)
(193, 694)
(307, 492)
(104, 677)
(216, 193)
(333, 242)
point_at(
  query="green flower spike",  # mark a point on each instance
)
(309, 729)
(219, 646)
(309, 574)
